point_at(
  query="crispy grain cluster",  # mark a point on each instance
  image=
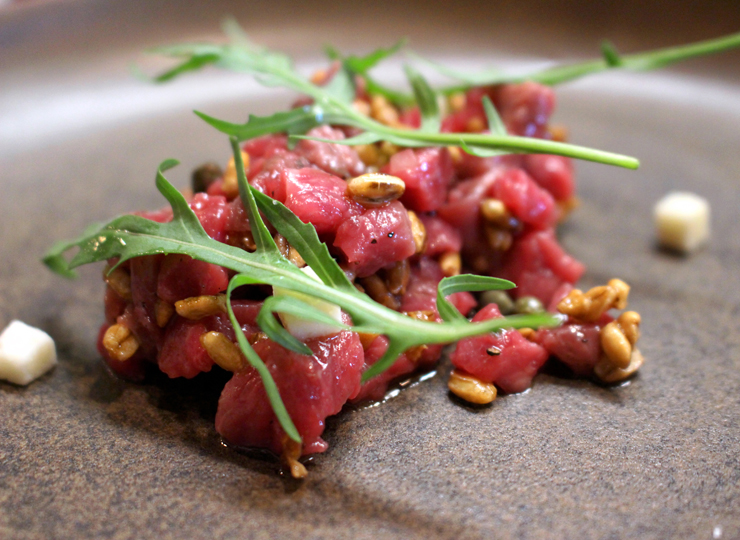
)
(620, 357)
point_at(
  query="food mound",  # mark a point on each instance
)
(397, 220)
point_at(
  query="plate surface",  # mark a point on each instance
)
(84, 455)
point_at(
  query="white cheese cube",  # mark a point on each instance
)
(682, 221)
(26, 353)
(301, 328)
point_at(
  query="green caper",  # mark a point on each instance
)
(204, 176)
(526, 305)
(500, 298)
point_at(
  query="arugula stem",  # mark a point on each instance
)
(642, 61)
(527, 145)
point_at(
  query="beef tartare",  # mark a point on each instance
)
(397, 221)
(382, 213)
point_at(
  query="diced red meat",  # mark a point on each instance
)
(512, 369)
(427, 174)
(265, 146)
(336, 159)
(212, 212)
(160, 216)
(421, 293)
(441, 236)
(114, 305)
(237, 220)
(459, 121)
(552, 173)
(310, 180)
(182, 355)
(463, 301)
(376, 238)
(270, 180)
(560, 293)
(141, 316)
(183, 277)
(246, 312)
(411, 117)
(576, 345)
(260, 149)
(525, 108)
(469, 166)
(319, 198)
(462, 209)
(375, 388)
(539, 266)
(526, 201)
(312, 388)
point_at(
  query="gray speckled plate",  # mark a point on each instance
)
(84, 455)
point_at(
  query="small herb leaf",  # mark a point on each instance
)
(341, 86)
(610, 54)
(467, 283)
(299, 120)
(303, 237)
(479, 78)
(644, 61)
(362, 64)
(426, 100)
(495, 124)
(262, 237)
(330, 107)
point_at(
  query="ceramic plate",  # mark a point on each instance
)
(85, 455)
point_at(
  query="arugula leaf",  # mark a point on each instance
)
(478, 78)
(341, 86)
(54, 258)
(196, 62)
(610, 54)
(361, 65)
(467, 283)
(332, 107)
(332, 53)
(495, 124)
(643, 61)
(296, 120)
(262, 237)
(426, 99)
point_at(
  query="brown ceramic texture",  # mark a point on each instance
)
(84, 455)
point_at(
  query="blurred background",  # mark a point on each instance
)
(63, 27)
(57, 50)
